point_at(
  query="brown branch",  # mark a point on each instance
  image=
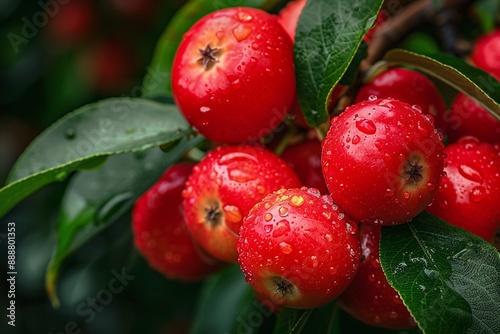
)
(409, 19)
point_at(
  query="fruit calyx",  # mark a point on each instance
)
(213, 214)
(414, 172)
(283, 286)
(208, 56)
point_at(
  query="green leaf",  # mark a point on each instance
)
(85, 137)
(224, 304)
(157, 79)
(447, 277)
(455, 72)
(327, 38)
(324, 320)
(95, 199)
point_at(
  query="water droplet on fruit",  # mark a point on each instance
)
(244, 17)
(351, 226)
(232, 213)
(268, 217)
(375, 263)
(296, 200)
(269, 72)
(431, 186)
(332, 270)
(236, 84)
(372, 98)
(241, 32)
(406, 195)
(477, 194)
(204, 109)
(423, 131)
(377, 319)
(470, 173)
(397, 300)
(416, 108)
(393, 315)
(327, 214)
(285, 248)
(328, 237)
(440, 136)
(327, 199)
(355, 139)
(241, 176)
(378, 222)
(429, 118)
(389, 192)
(281, 228)
(341, 216)
(261, 189)
(70, 133)
(314, 192)
(255, 46)
(219, 34)
(366, 126)
(386, 157)
(283, 211)
(268, 227)
(335, 207)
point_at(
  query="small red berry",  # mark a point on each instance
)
(411, 87)
(382, 161)
(469, 193)
(298, 249)
(160, 232)
(222, 189)
(233, 75)
(370, 298)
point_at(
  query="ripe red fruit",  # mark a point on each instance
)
(469, 118)
(305, 160)
(410, 87)
(469, 193)
(222, 189)
(298, 249)
(289, 16)
(160, 232)
(233, 75)
(382, 161)
(370, 298)
(486, 53)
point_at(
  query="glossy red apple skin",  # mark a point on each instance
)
(249, 86)
(469, 193)
(370, 298)
(289, 16)
(161, 234)
(298, 249)
(486, 53)
(468, 118)
(305, 159)
(382, 160)
(223, 188)
(411, 87)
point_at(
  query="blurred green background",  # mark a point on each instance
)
(57, 55)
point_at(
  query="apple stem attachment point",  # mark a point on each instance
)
(414, 172)
(208, 56)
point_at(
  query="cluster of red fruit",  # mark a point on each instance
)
(382, 162)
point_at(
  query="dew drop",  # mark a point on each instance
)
(470, 173)
(241, 176)
(269, 72)
(431, 186)
(245, 17)
(268, 227)
(332, 270)
(236, 84)
(355, 139)
(285, 247)
(429, 118)
(406, 195)
(241, 32)
(283, 211)
(327, 199)
(204, 109)
(219, 34)
(477, 194)
(296, 200)
(386, 157)
(70, 133)
(351, 227)
(261, 189)
(389, 192)
(281, 228)
(255, 46)
(372, 98)
(327, 214)
(268, 217)
(232, 213)
(328, 237)
(444, 204)
(314, 192)
(393, 315)
(416, 108)
(366, 126)
(341, 216)
(423, 131)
